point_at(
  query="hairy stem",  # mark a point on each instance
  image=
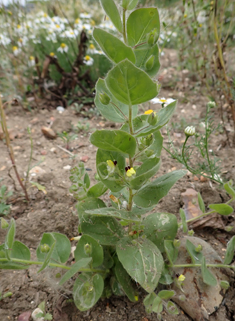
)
(199, 265)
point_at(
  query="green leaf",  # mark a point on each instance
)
(115, 111)
(89, 203)
(4, 209)
(108, 257)
(166, 294)
(164, 116)
(230, 251)
(143, 53)
(116, 287)
(223, 209)
(153, 303)
(48, 257)
(145, 172)
(229, 189)
(166, 277)
(97, 190)
(96, 254)
(130, 85)
(112, 12)
(183, 218)
(125, 281)
(129, 4)
(87, 290)
(62, 247)
(171, 308)
(207, 276)
(196, 257)
(74, 269)
(113, 212)
(201, 203)
(113, 47)
(140, 23)
(20, 251)
(106, 230)
(86, 180)
(159, 227)
(112, 181)
(10, 237)
(114, 140)
(171, 251)
(142, 260)
(150, 195)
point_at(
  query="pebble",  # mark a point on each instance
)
(67, 167)
(48, 132)
(34, 315)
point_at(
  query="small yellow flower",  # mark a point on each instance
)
(77, 21)
(200, 25)
(92, 47)
(110, 164)
(63, 45)
(14, 48)
(52, 54)
(136, 298)
(148, 112)
(31, 58)
(185, 15)
(92, 22)
(130, 172)
(18, 26)
(87, 58)
(45, 15)
(57, 26)
(181, 278)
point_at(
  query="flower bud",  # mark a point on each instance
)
(224, 284)
(152, 119)
(104, 98)
(150, 39)
(176, 243)
(88, 249)
(45, 248)
(211, 104)
(149, 139)
(190, 232)
(4, 223)
(189, 131)
(181, 278)
(182, 297)
(198, 249)
(150, 62)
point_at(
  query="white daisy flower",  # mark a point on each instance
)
(88, 60)
(63, 48)
(163, 101)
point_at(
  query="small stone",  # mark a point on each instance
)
(34, 121)
(37, 171)
(48, 132)
(43, 152)
(60, 109)
(84, 159)
(53, 150)
(34, 315)
(195, 178)
(25, 316)
(203, 179)
(67, 167)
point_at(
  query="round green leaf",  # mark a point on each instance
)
(113, 47)
(130, 85)
(140, 23)
(223, 209)
(20, 251)
(159, 227)
(114, 140)
(142, 260)
(87, 290)
(96, 254)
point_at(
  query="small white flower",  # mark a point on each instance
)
(31, 61)
(189, 131)
(88, 60)
(163, 101)
(63, 48)
(85, 15)
(15, 50)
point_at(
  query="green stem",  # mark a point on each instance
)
(28, 262)
(199, 265)
(186, 139)
(124, 24)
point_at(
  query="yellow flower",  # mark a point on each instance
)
(110, 164)
(87, 58)
(92, 46)
(63, 45)
(77, 21)
(31, 58)
(181, 278)
(185, 15)
(18, 26)
(130, 172)
(200, 25)
(45, 15)
(14, 48)
(57, 26)
(92, 22)
(52, 54)
(148, 112)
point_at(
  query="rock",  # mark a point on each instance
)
(67, 167)
(84, 159)
(60, 109)
(201, 299)
(25, 316)
(37, 171)
(48, 132)
(34, 315)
